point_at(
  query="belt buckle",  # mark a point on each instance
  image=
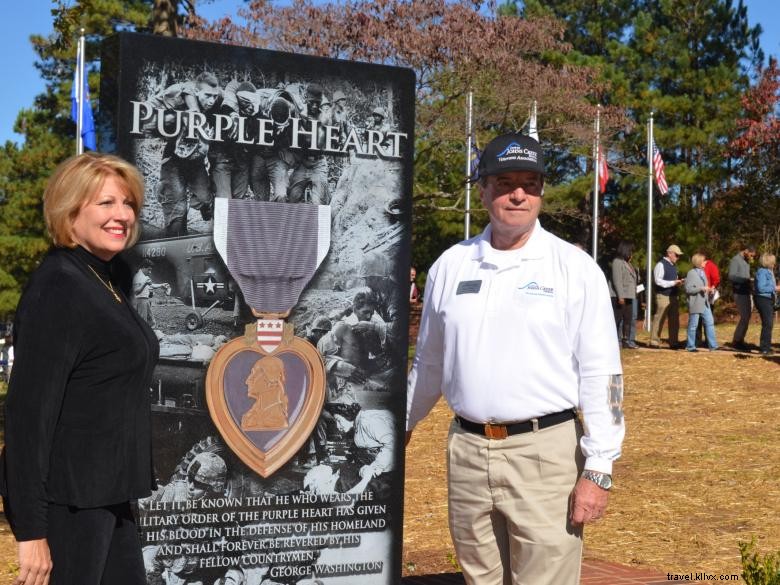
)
(495, 431)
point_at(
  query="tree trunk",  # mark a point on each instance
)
(164, 17)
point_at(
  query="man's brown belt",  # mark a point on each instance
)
(502, 431)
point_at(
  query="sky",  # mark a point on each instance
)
(23, 18)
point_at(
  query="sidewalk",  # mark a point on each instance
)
(593, 573)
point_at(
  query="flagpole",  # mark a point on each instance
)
(467, 217)
(533, 130)
(649, 280)
(596, 185)
(80, 92)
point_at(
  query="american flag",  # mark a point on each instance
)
(658, 170)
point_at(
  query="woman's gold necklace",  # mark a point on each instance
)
(108, 285)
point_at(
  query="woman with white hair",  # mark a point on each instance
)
(698, 290)
(766, 291)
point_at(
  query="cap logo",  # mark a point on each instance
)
(516, 152)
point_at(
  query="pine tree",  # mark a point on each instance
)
(49, 134)
(687, 61)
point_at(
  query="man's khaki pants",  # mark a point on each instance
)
(666, 307)
(509, 506)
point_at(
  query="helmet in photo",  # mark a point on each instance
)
(209, 469)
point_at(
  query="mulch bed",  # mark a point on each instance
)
(700, 469)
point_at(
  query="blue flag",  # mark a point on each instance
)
(474, 162)
(87, 121)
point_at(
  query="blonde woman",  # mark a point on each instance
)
(78, 419)
(766, 291)
(698, 290)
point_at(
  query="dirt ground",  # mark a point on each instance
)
(700, 469)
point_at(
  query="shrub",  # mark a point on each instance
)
(757, 570)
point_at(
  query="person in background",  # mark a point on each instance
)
(766, 292)
(698, 291)
(713, 279)
(78, 415)
(739, 276)
(638, 304)
(414, 292)
(711, 270)
(667, 303)
(624, 280)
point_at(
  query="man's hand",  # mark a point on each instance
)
(34, 562)
(350, 372)
(363, 327)
(588, 502)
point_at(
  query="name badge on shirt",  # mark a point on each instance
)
(468, 287)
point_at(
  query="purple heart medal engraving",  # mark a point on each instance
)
(265, 390)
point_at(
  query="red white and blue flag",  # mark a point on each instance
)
(603, 172)
(658, 170)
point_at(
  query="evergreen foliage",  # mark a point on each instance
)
(689, 63)
(49, 133)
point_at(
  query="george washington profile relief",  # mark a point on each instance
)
(265, 385)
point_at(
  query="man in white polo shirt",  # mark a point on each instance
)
(517, 332)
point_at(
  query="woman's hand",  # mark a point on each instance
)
(34, 562)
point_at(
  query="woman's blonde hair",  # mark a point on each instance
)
(75, 182)
(768, 260)
(697, 260)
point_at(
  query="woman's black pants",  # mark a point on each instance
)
(766, 309)
(623, 316)
(95, 546)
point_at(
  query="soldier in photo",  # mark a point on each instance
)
(206, 477)
(372, 451)
(252, 165)
(183, 170)
(376, 271)
(326, 111)
(319, 327)
(310, 174)
(229, 160)
(143, 291)
(378, 123)
(341, 113)
(353, 350)
(323, 480)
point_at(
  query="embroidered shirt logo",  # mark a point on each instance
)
(534, 288)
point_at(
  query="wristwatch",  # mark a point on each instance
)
(603, 480)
